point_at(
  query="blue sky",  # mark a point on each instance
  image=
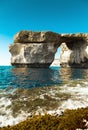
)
(62, 16)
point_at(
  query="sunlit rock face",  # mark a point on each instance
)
(74, 51)
(34, 49)
(36, 37)
(37, 49)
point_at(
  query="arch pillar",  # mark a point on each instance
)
(74, 51)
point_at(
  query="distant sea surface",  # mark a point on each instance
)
(28, 91)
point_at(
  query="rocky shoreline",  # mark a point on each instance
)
(70, 120)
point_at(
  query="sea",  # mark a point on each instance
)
(25, 92)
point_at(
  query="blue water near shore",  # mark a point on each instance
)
(37, 77)
(28, 78)
(26, 91)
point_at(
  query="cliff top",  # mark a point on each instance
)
(48, 36)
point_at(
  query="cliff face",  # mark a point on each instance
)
(74, 51)
(37, 49)
(34, 49)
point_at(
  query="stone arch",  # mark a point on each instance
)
(75, 52)
(56, 61)
(37, 49)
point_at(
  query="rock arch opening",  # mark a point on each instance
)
(56, 61)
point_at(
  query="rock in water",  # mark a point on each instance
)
(37, 49)
(74, 51)
(34, 49)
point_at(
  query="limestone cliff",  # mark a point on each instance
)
(36, 37)
(74, 50)
(37, 49)
(34, 49)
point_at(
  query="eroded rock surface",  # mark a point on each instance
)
(74, 51)
(36, 37)
(37, 49)
(34, 49)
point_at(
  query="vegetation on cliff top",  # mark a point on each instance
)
(70, 120)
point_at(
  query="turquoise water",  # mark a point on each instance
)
(28, 78)
(35, 77)
(28, 91)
